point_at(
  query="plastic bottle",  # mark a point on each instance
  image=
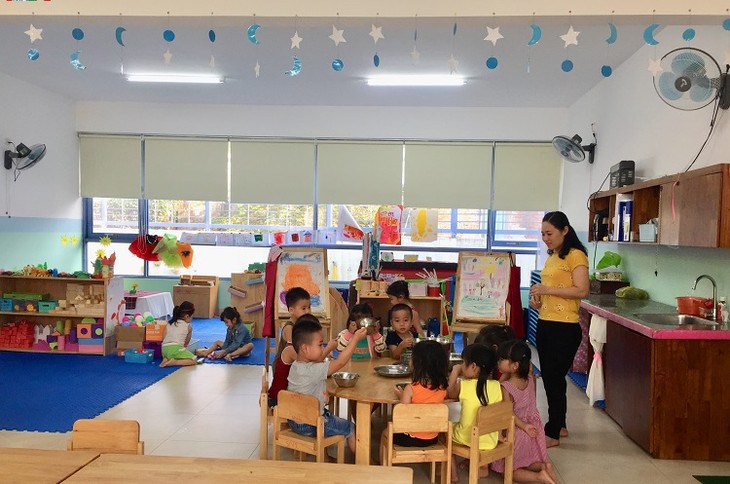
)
(723, 315)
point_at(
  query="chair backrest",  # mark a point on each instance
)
(106, 436)
(494, 417)
(265, 381)
(420, 417)
(298, 407)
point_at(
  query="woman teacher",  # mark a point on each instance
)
(564, 284)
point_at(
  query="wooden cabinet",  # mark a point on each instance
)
(248, 292)
(693, 208)
(427, 307)
(670, 396)
(111, 292)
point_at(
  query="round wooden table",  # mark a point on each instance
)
(371, 388)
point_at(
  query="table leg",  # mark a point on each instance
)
(362, 432)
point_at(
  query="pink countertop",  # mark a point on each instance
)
(628, 313)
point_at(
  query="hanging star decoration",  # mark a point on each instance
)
(211, 64)
(34, 33)
(493, 35)
(571, 37)
(257, 69)
(655, 67)
(337, 36)
(64, 240)
(167, 56)
(415, 55)
(376, 33)
(453, 64)
(296, 40)
(74, 240)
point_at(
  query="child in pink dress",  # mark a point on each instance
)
(531, 462)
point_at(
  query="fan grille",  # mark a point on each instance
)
(690, 79)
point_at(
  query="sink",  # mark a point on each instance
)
(665, 319)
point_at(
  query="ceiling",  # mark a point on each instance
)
(528, 76)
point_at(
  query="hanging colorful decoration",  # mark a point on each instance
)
(251, 34)
(654, 66)
(168, 35)
(211, 39)
(296, 64)
(606, 69)
(424, 224)
(388, 221)
(534, 39)
(348, 230)
(33, 34)
(337, 36)
(726, 26)
(493, 36)
(453, 63)
(570, 38)
(376, 32)
(166, 249)
(296, 67)
(75, 57)
(649, 34)
(118, 35)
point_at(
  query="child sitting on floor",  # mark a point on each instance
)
(370, 347)
(238, 339)
(177, 337)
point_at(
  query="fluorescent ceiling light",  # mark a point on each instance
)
(416, 80)
(179, 78)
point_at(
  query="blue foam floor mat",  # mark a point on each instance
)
(49, 392)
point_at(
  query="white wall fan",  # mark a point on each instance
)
(692, 79)
(23, 157)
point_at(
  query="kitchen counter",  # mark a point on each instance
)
(627, 313)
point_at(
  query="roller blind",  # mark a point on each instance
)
(526, 177)
(446, 175)
(359, 173)
(186, 169)
(276, 172)
(110, 166)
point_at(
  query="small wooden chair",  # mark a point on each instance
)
(419, 417)
(490, 418)
(106, 436)
(303, 409)
(266, 415)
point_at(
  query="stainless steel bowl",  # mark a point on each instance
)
(370, 324)
(345, 379)
(392, 371)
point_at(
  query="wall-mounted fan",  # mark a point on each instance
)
(691, 79)
(572, 150)
(23, 157)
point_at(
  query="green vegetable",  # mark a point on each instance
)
(609, 259)
(631, 292)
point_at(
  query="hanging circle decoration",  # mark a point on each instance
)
(33, 54)
(211, 35)
(376, 60)
(492, 63)
(567, 65)
(726, 24)
(77, 34)
(606, 71)
(168, 35)
(688, 34)
(337, 65)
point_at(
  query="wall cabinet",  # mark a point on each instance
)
(109, 291)
(693, 208)
(427, 307)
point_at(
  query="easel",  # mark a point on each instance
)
(307, 268)
(480, 295)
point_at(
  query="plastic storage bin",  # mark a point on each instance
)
(6, 304)
(132, 356)
(46, 306)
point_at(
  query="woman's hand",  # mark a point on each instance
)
(539, 290)
(535, 302)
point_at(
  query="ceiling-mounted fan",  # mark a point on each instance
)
(23, 157)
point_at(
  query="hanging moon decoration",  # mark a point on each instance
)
(614, 33)
(536, 34)
(118, 35)
(251, 33)
(76, 62)
(296, 67)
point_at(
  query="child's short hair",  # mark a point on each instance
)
(493, 335)
(303, 329)
(294, 295)
(231, 313)
(518, 352)
(398, 289)
(430, 365)
(359, 311)
(400, 307)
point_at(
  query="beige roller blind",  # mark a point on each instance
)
(186, 169)
(447, 175)
(277, 172)
(111, 166)
(526, 177)
(359, 173)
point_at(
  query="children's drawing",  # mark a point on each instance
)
(304, 268)
(481, 292)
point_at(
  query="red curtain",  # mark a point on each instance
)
(515, 301)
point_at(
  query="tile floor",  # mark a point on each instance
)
(212, 411)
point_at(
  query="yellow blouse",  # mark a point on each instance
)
(469, 406)
(559, 273)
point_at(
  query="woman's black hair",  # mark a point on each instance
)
(486, 360)
(185, 308)
(571, 241)
(231, 313)
(430, 365)
(398, 289)
(518, 352)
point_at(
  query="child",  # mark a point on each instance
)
(370, 347)
(398, 294)
(474, 389)
(400, 337)
(298, 303)
(493, 335)
(530, 457)
(308, 374)
(429, 385)
(238, 339)
(177, 337)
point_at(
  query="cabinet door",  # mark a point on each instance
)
(627, 370)
(689, 212)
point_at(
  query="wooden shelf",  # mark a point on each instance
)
(412, 298)
(31, 350)
(51, 315)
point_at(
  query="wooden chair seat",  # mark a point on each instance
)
(106, 436)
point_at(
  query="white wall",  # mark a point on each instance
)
(32, 115)
(322, 121)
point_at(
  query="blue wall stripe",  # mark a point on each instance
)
(40, 224)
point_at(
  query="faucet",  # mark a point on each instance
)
(714, 293)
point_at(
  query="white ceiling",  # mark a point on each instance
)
(511, 84)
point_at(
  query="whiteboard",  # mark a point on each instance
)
(307, 268)
(482, 283)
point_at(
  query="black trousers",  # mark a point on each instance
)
(557, 344)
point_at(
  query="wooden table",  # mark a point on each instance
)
(147, 468)
(371, 388)
(41, 466)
